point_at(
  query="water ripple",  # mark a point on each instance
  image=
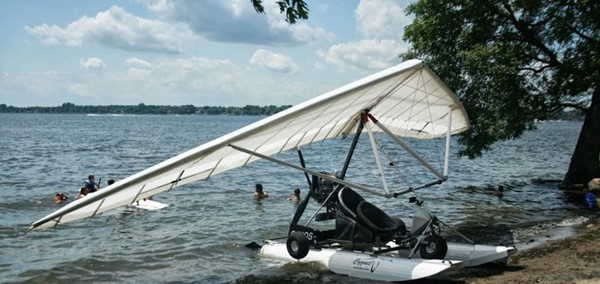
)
(200, 237)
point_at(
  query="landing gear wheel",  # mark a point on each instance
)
(297, 245)
(435, 247)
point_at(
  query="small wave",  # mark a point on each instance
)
(536, 234)
(573, 221)
(108, 114)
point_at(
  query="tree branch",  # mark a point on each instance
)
(562, 106)
(584, 36)
(535, 71)
(527, 35)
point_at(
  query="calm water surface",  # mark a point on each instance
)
(200, 237)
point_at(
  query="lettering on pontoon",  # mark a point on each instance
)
(309, 235)
(366, 264)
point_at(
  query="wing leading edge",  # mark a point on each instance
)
(409, 99)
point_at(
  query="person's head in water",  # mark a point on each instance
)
(83, 192)
(111, 181)
(296, 195)
(259, 193)
(60, 197)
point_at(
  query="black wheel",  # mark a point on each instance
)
(297, 245)
(435, 247)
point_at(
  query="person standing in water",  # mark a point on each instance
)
(259, 193)
(82, 192)
(91, 184)
(296, 196)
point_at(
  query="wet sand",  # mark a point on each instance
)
(574, 259)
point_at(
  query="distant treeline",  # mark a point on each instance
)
(148, 109)
(191, 109)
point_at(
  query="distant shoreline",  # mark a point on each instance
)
(69, 108)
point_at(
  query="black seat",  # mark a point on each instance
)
(348, 202)
(378, 221)
(360, 221)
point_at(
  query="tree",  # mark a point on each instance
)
(293, 9)
(514, 61)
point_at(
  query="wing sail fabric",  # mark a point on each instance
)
(409, 99)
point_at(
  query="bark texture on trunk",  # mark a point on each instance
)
(585, 162)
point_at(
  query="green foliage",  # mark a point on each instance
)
(509, 61)
(294, 9)
(148, 109)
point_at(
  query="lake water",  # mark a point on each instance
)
(200, 237)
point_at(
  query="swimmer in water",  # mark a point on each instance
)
(60, 197)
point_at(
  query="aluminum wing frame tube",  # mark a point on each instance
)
(327, 177)
(407, 148)
(377, 159)
(359, 130)
(448, 134)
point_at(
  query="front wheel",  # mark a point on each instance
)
(297, 245)
(435, 247)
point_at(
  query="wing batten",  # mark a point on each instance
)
(57, 221)
(213, 169)
(98, 208)
(137, 195)
(176, 181)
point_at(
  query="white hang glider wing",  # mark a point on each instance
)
(408, 99)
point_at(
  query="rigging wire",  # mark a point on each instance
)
(435, 143)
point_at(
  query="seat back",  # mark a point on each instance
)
(348, 201)
(372, 216)
(378, 221)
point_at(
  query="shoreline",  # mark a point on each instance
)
(559, 259)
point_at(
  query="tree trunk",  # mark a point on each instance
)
(585, 162)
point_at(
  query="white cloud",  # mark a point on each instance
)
(364, 54)
(138, 63)
(207, 73)
(205, 81)
(379, 19)
(50, 35)
(79, 89)
(273, 61)
(48, 88)
(381, 24)
(198, 75)
(237, 21)
(92, 63)
(138, 69)
(114, 28)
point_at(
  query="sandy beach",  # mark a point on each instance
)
(574, 259)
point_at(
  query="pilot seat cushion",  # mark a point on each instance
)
(377, 220)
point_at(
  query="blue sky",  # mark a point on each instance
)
(210, 52)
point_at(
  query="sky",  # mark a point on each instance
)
(204, 53)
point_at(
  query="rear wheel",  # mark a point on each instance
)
(435, 247)
(297, 245)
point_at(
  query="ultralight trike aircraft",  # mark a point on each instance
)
(407, 101)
